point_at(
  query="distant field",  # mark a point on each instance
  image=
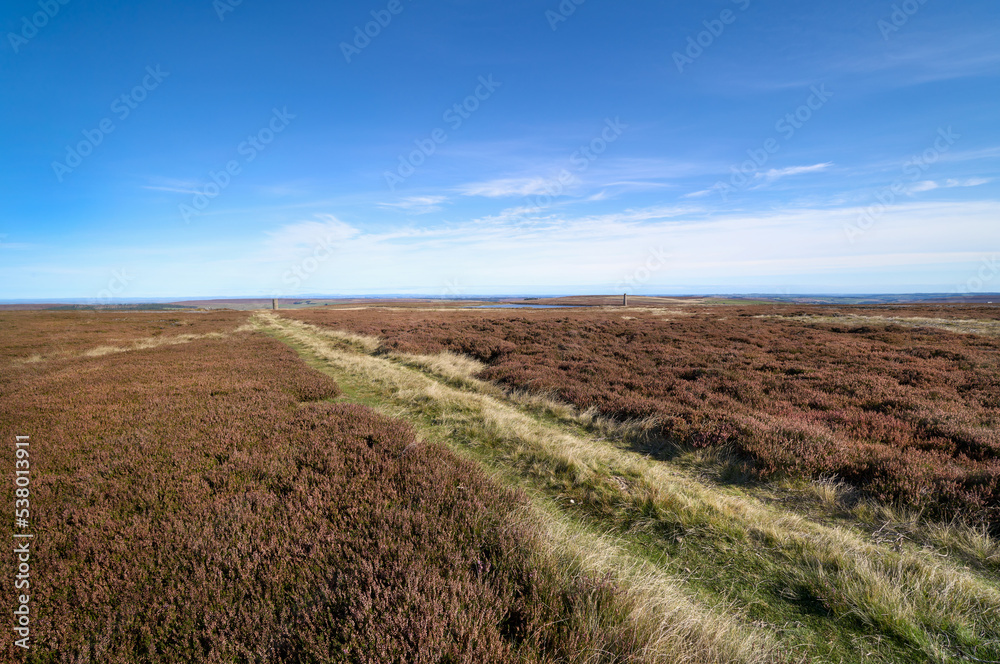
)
(610, 300)
(895, 400)
(240, 304)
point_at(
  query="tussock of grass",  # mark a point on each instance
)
(362, 342)
(965, 542)
(446, 364)
(823, 591)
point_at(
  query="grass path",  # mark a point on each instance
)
(713, 573)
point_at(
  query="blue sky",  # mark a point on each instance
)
(198, 148)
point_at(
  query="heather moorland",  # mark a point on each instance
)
(699, 483)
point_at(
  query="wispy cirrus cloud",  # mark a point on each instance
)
(776, 174)
(931, 185)
(292, 240)
(560, 249)
(932, 56)
(972, 155)
(911, 57)
(764, 179)
(13, 245)
(506, 187)
(937, 242)
(602, 179)
(417, 204)
(175, 189)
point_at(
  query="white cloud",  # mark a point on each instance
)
(777, 173)
(175, 189)
(930, 185)
(971, 155)
(555, 250)
(601, 179)
(173, 185)
(506, 187)
(417, 204)
(293, 240)
(926, 185)
(922, 242)
(971, 182)
(506, 251)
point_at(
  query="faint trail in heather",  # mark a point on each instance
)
(135, 345)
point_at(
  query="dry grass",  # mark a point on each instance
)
(829, 491)
(676, 627)
(153, 342)
(446, 364)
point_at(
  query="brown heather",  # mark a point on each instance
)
(896, 400)
(211, 502)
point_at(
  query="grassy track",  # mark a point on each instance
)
(714, 573)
